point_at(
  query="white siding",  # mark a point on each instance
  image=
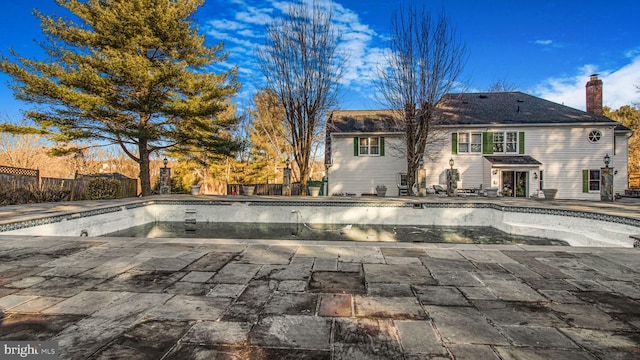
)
(470, 166)
(620, 162)
(351, 174)
(564, 151)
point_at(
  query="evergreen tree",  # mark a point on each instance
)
(128, 72)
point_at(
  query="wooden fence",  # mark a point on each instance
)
(19, 177)
(16, 178)
(128, 187)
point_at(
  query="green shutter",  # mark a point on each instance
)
(585, 181)
(356, 146)
(454, 143)
(521, 142)
(381, 146)
(487, 143)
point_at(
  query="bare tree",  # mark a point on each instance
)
(302, 66)
(424, 63)
(22, 150)
(502, 85)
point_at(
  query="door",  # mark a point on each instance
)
(514, 183)
(521, 183)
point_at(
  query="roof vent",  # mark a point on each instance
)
(520, 100)
(483, 96)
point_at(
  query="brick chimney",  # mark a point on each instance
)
(594, 95)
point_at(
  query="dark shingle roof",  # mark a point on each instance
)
(501, 108)
(623, 129)
(512, 160)
(346, 121)
(510, 108)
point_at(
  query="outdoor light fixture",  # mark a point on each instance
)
(165, 162)
(451, 163)
(287, 162)
(607, 160)
(495, 172)
(535, 176)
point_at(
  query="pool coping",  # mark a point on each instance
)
(585, 210)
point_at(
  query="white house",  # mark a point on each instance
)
(510, 141)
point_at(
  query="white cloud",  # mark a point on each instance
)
(254, 15)
(544, 42)
(223, 36)
(619, 86)
(243, 27)
(226, 24)
(249, 33)
(631, 53)
(282, 6)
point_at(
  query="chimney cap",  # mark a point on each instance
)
(594, 76)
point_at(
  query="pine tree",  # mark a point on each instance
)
(128, 72)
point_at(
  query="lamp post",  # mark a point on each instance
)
(606, 180)
(165, 176)
(286, 178)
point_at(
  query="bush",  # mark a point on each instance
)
(102, 188)
(47, 194)
(14, 195)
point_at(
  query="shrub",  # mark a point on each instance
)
(16, 196)
(47, 194)
(102, 188)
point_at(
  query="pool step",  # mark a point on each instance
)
(573, 236)
(190, 220)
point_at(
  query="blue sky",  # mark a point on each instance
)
(545, 48)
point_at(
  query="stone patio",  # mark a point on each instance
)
(124, 298)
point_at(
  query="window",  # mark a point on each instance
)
(372, 146)
(469, 142)
(498, 142)
(591, 180)
(505, 142)
(463, 142)
(476, 143)
(594, 180)
(595, 136)
(511, 143)
(541, 179)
